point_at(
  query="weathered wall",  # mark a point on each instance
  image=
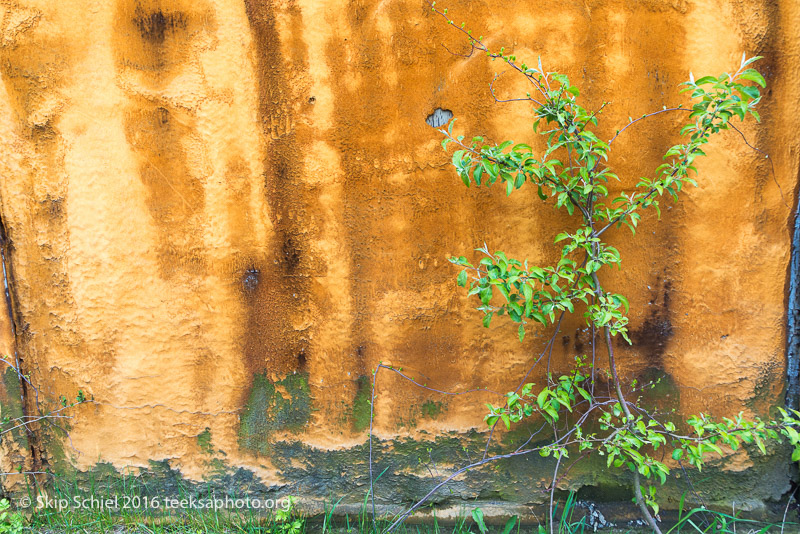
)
(225, 213)
(14, 446)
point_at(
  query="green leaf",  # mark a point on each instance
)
(450, 128)
(521, 331)
(510, 525)
(750, 91)
(505, 144)
(521, 147)
(551, 412)
(503, 289)
(485, 294)
(477, 173)
(746, 63)
(477, 516)
(527, 291)
(542, 398)
(654, 505)
(754, 76)
(462, 278)
(794, 438)
(706, 79)
(539, 317)
(624, 302)
(541, 193)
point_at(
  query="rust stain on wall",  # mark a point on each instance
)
(278, 303)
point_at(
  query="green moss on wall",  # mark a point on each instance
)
(158, 480)
(283, 405)
(12, 407)
(204, 441)
(405, 469)
(657, 389)
(360, 411)
(432, 409)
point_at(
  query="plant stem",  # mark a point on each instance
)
(552, 494)
(637, 483)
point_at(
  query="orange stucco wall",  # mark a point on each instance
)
(199, 192)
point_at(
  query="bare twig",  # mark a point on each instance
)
(643, 117)
(552, 495)
(766, 156)
(786, 511)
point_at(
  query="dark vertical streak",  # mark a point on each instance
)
(793, 319)
(270, 340)
(6, 274)
(23, 384)
(768, 44)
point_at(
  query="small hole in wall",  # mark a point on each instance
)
(250, 279)
(439, 117)
(312, 100)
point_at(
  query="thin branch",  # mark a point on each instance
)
(552, 495)
(564, 442)
(766, 156)
(478, 44)
(371, 419)
(643, 117)
(498, 100)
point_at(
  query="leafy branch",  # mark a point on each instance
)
(573, 173)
